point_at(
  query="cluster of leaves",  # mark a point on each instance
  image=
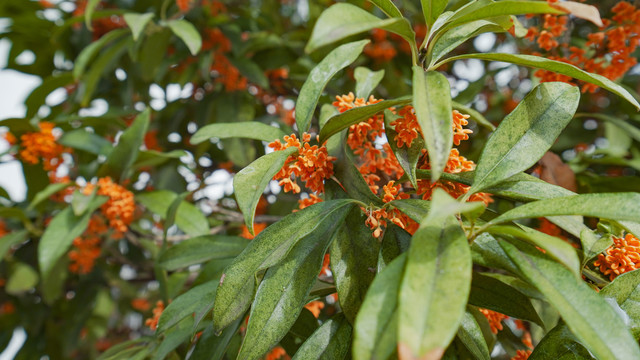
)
(386, 253)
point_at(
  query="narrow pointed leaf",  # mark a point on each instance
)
(454, 37)
(388, 7)
(526, 134)
(250, 182)
(187, 33)
(319, 77)
(11, 239)
(589, 317)
(366, 81)
(201, 249)
(237, 284)
(125, 153)
(137, 23)
(560, 344)
(376, 325)
(244, 129)
(198, 300)
(470, 335)
(432, 103)
(434, 289)
(432, 9)
(555, 66)
(88, 53)
(188, 218)
(330, 341)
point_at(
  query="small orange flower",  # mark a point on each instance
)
(152, 322)
(7, 308)
(277, 353)
(3, 229)
(184, 5)
(120, 206)
(621, 257)
(495, 319)
(460, 133)
(140, 304)
(42, 145)
(311, 200)
(257, 228)
(86, 249)
(315, 307)
(522, 355)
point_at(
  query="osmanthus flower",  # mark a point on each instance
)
(306, 202)
(377, 218)
(257, 228)
(119, 208)
(277, 353)
(522, 355)
(495, 319)
(623, 256)
(380, 49)
(152, 322)
(140, 304)
(86, 248)
(311, 164)
(42, 145)
(315, 307)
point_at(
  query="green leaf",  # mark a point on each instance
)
(125, 153)
(152, 158)
(551, 65)
(395, 242)
(172, 339)
(246, 129)
(87, 54)
(416, 209)
(554, 247)
(343, 20)
(102, 65)
(434, 288)
(354, 256)
(493, 294)
(11, 239)
(432, 9)
(366, 81)
(388, 7)
(282, 293)
(560, 344)
(21, 279)
(407, 157)
(319, 77)
(37, 97)
(614, 206)
(526, 133)
(625, 289)
(344, 120)
(59, 235)
(268, 249)
(45, 194)
(432, 103)
(212, 347)
(250, 182)
(201, 249)
(83, 140)
(471, 336)
(376, 325)
(54, 287)
(187, 33)
(592, 244)
(352, 181)
(188, 218)
(589, 317)
(198, 300)
(137, 23)
(80, 202)
(447, 206)
(330, 341)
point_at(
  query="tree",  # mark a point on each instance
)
(316, 180)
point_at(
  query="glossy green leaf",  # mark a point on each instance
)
(416, 209)
(354, 256)
(80, 202)
(356, 115)
(471, 336)
(83, 140)
(201, 249)
(282, 293)
(447, 206)
(431, 9)
(11, 239)
(198, 300)
(188, 218)
(366, 81)
(245, 129)
(59, 234)
(407, 156)
(187, 33)
(147, 158)
(21, 279)
(561, 344)
(432, 103)
(46, 193)
(352, 181)
(124, 154)
(234, 294)
(526, 133)
(552, 65)
(556, 248)
(388, 7)
(343, 20)
(395, 242)
(493, 294)
(319, 77)
(376, 325)
(625, 289)
(137, 23)
(330, 341)
(89, 9)
(589, 317)
(486, 251)
(614, 206)
(434, 288)
(592, 244)
(88, 54)
(250, 182)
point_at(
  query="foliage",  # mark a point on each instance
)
(287, 180)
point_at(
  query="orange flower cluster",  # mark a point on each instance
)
(184, 5)
(225, 73)
(315, 307)
(380, 49)
(152, 322)
(312, 199)
(376, 219)
(312, 164)
(277, 353)
(140, 304)
(257, 228)
(86, 249)
(9, 138)
(42, 145)
(495, 319)
(621, 257)
(610, 52)
(120, 206)
(522, 355)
